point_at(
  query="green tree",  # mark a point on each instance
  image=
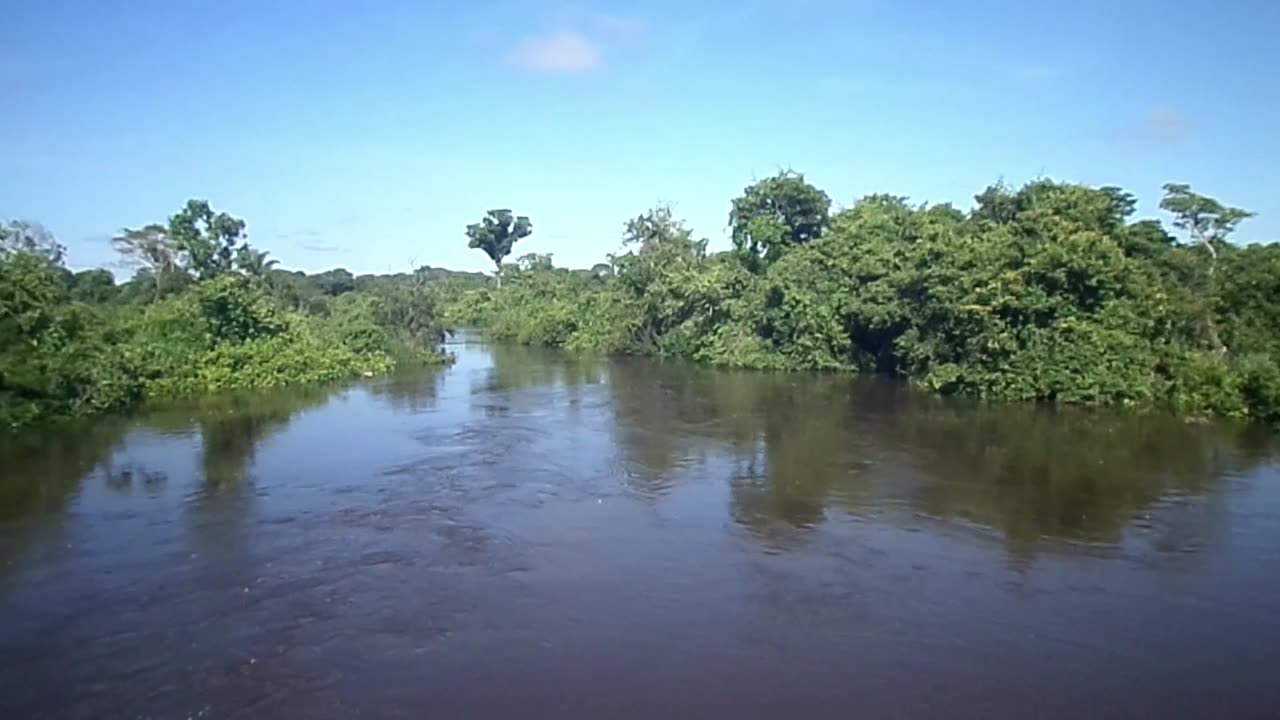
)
(94, 286)
(410, 312)
(657, 229)
(206, 240)
(776, 213)
(1208, 223)
(534, 261)
(148, 248)
(56, 356)
(254, 263)
(496, 233)
(334, 282)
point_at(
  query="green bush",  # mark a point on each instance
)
(63, 358)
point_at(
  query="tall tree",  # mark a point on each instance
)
(1206, 222)
(206, 239)
(148, 248)
(21, 236)
(775, 213)
(659, 228)
(496, 233)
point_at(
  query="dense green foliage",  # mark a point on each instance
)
(205, 312)
(497, 232)
(1051, 292)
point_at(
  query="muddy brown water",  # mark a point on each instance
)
(526, 534)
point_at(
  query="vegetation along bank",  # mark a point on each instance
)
(1052, 292)
(203, 312)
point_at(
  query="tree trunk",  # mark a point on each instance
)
(1210, 326)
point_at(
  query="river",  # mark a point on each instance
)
(526, 534)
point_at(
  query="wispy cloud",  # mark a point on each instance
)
(564, 52)
(1158, 125)
(326, 248)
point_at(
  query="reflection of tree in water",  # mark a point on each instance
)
(803, 444)
(516, 369)
(810, 460)
(656, 420)
(412, 390)
(662, 416)
(43, 467)
(233, 425)
(42, 471)
(126, 478)
(1034, 473)
(519, 367)
(786, 436)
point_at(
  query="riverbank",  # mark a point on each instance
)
(1050, 293)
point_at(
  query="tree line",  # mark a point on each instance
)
(204, 311)
(1049, 292)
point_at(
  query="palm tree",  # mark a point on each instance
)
(254, 263)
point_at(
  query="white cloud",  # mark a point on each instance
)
(562, 52)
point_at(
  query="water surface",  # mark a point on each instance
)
(527, 534)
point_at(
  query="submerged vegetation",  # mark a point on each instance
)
(1051, 292)
(204, 312)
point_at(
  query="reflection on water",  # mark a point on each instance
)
(43, 470)
(804, 446)
(563, 527)
(231, 428)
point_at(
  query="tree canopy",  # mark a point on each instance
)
(775, 213)
(207, 240)
(497, 232)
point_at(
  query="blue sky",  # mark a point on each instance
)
(368, 135)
